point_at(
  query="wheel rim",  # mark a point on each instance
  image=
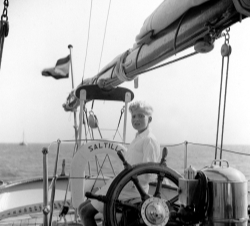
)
(151, 210)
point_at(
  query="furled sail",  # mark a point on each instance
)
(173, 27)
(165, 14)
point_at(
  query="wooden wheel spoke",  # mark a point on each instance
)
(158, 185)
(137, 175)
(173, 200)
(137, 184)
(124, 204)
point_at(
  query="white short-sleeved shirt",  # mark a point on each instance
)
(144, 148)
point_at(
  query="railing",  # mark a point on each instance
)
(185, 145)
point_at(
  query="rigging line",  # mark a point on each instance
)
(169, 62)
(103, 44)
(86, 122)
(99, 131)
(218, 118)
(111, 81)
(224, 110)
(99, 170)
(87, 40)
(177, 30)
(119, 135)
(104, 36)
(225, 52)
(122, 111)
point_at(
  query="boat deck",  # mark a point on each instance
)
(56, 221)
(37, 219)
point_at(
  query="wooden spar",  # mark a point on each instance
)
(205, 21)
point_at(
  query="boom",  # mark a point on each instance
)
(200, 24)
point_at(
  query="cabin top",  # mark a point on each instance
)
(93, 92)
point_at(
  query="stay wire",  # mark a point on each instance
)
(225, 52)
(90, 14)
(224, 109)
(104, 36)
(218, 118)
(167, 63)
(106, 24)
(111, 81)
(122, 111)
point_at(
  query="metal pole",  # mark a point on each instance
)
(46, 208)
(185, 154)
(72, 78)
(53, 190)
(127, 99)
(83, 96)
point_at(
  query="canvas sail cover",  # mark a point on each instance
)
(160, 37)
(165, 14)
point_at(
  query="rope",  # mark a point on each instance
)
(172, 145)
(113, 82)
(118, 69)
(169, 62)
(177, 30)
(204, 145)
(102, 47)
(99, 171)
(99, 131)
(122, 111)
(87, 41)
(218, 119)
(104, 36)
(86, 115)
(225, 52)
(224, 109)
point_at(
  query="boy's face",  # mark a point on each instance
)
(139, 120)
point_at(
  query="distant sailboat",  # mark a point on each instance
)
(23, 143)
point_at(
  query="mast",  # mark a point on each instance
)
(23, 143)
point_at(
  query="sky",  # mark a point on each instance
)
(184, 96)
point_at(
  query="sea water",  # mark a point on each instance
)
(26, 162)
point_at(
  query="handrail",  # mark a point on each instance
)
(53, 184)
(172, 145)
(223, 149)
(46, 208)
(204, 145)
(185, 143)
(108, 140)
(162, 145)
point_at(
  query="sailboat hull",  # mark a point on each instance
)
(26, 197)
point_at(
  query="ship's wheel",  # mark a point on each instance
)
(153, 209)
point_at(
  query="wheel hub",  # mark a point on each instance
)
(155, 212)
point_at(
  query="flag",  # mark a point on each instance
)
(61, 70)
